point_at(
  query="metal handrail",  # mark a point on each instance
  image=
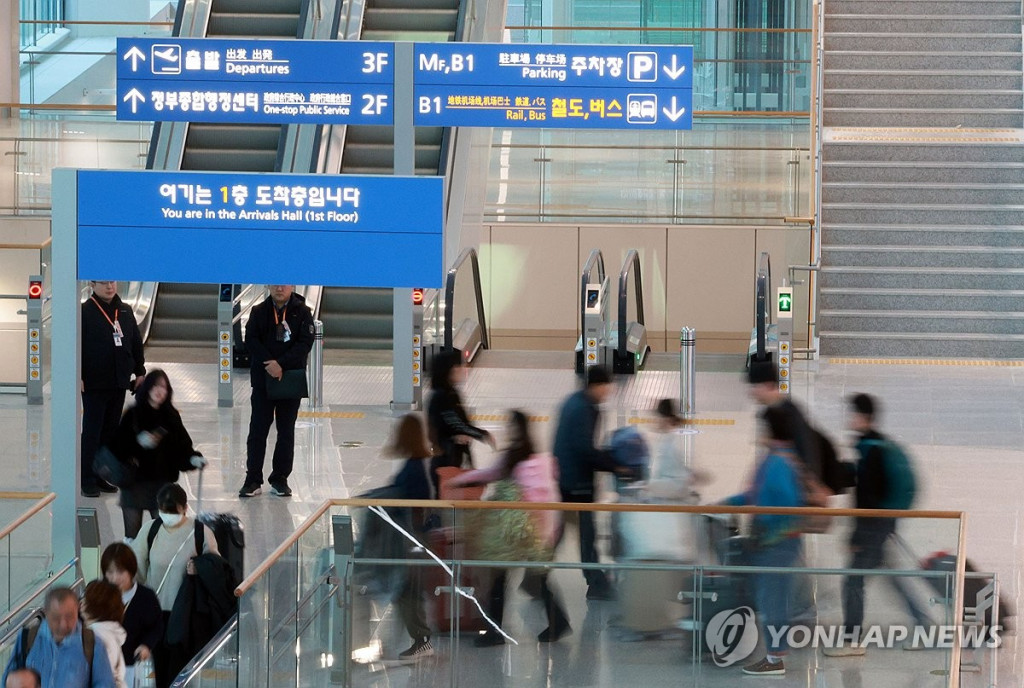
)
(632, 259)
(449, 298)
(761, 315)
(208, 652)
(596, 259)
(32, 511)
(39, 590)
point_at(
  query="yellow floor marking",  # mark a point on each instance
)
(958, 362)
(331, 414)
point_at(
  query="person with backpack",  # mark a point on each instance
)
(164, 551)
(775, 540)
(61, 649)
(885, 480)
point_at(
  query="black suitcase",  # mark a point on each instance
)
(230, 535)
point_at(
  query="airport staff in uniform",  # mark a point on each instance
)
(278, 336)
(111, 355)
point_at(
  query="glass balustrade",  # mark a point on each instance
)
(690, 603)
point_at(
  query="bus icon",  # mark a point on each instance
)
(642, 108)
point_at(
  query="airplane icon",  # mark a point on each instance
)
(166, 59)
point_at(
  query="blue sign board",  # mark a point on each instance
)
(555, 86)
(211, 227)
(255, 81)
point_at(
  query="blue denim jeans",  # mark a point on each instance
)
(772, 591)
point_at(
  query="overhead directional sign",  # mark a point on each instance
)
(255, 81)
(555, 86)
(337, 230)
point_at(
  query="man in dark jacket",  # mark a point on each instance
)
(763, 377)
(870, 535)
(278, 336)
(578, 459)
(111, 355)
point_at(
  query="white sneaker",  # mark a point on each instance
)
(844, 651)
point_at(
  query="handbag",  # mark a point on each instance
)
(110, 468)
(292, 385)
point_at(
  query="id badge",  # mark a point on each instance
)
(117, 340)
(117, 329)
(287, 337)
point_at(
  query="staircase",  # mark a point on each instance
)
(922, 203)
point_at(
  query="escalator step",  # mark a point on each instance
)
(253, 25)
(414, 36)
(249, 136)
(265, 6)
(355, 300)
(365, 343)
(408, 19)
(425, 136)
(380, 156)
(229, 160)
(418, 4)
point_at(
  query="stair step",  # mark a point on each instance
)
(923, 193)
(911, 214)
(989, 300)
(922, 7)
(911, 99)
(853, 117)
(952, 81)
(918, 344)
(900, 59)
(834, 235)
(900, 24)
(917, 172)
(896, 147)
(955, 41)
(921, 277)
(937, 322)
(923, 256)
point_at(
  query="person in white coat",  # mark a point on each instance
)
(102, 610)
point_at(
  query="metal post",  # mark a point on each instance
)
(341, 638)
(225, 322)
(34, 322)
(688, 371)
(403, 391)
(315, 374)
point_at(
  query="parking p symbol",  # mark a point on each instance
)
(642, 66)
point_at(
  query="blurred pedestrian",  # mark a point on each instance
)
(102, 611)
(143, 620)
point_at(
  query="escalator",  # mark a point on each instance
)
(185, 315)
(360, 318)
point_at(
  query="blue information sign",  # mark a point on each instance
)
(557, 86)
(255, 81)
(212, 227)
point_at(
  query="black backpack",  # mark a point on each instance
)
(836, 475)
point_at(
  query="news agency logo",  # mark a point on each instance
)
(731, 635)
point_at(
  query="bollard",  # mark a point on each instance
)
(316, 366)
(687, 371)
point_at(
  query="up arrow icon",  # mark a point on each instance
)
(675, 113)
(135, 55)
(135, 98)
(675, 71)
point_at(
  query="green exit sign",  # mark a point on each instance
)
(785, 302)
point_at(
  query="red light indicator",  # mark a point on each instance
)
(35, 290)
(417, 297)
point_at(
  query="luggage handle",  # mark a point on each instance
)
(441, 589)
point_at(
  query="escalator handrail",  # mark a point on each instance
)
(632, 260)
(596, 259)
(761, 315)
(449, 298)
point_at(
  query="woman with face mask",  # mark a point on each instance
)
(152, 437)
(164, 550)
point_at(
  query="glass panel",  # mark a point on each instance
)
(30, 555)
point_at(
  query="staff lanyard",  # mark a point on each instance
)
(284, 314)
(113, 323)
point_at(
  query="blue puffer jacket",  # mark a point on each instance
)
(775, 484)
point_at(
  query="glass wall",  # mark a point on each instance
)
(747, 159)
